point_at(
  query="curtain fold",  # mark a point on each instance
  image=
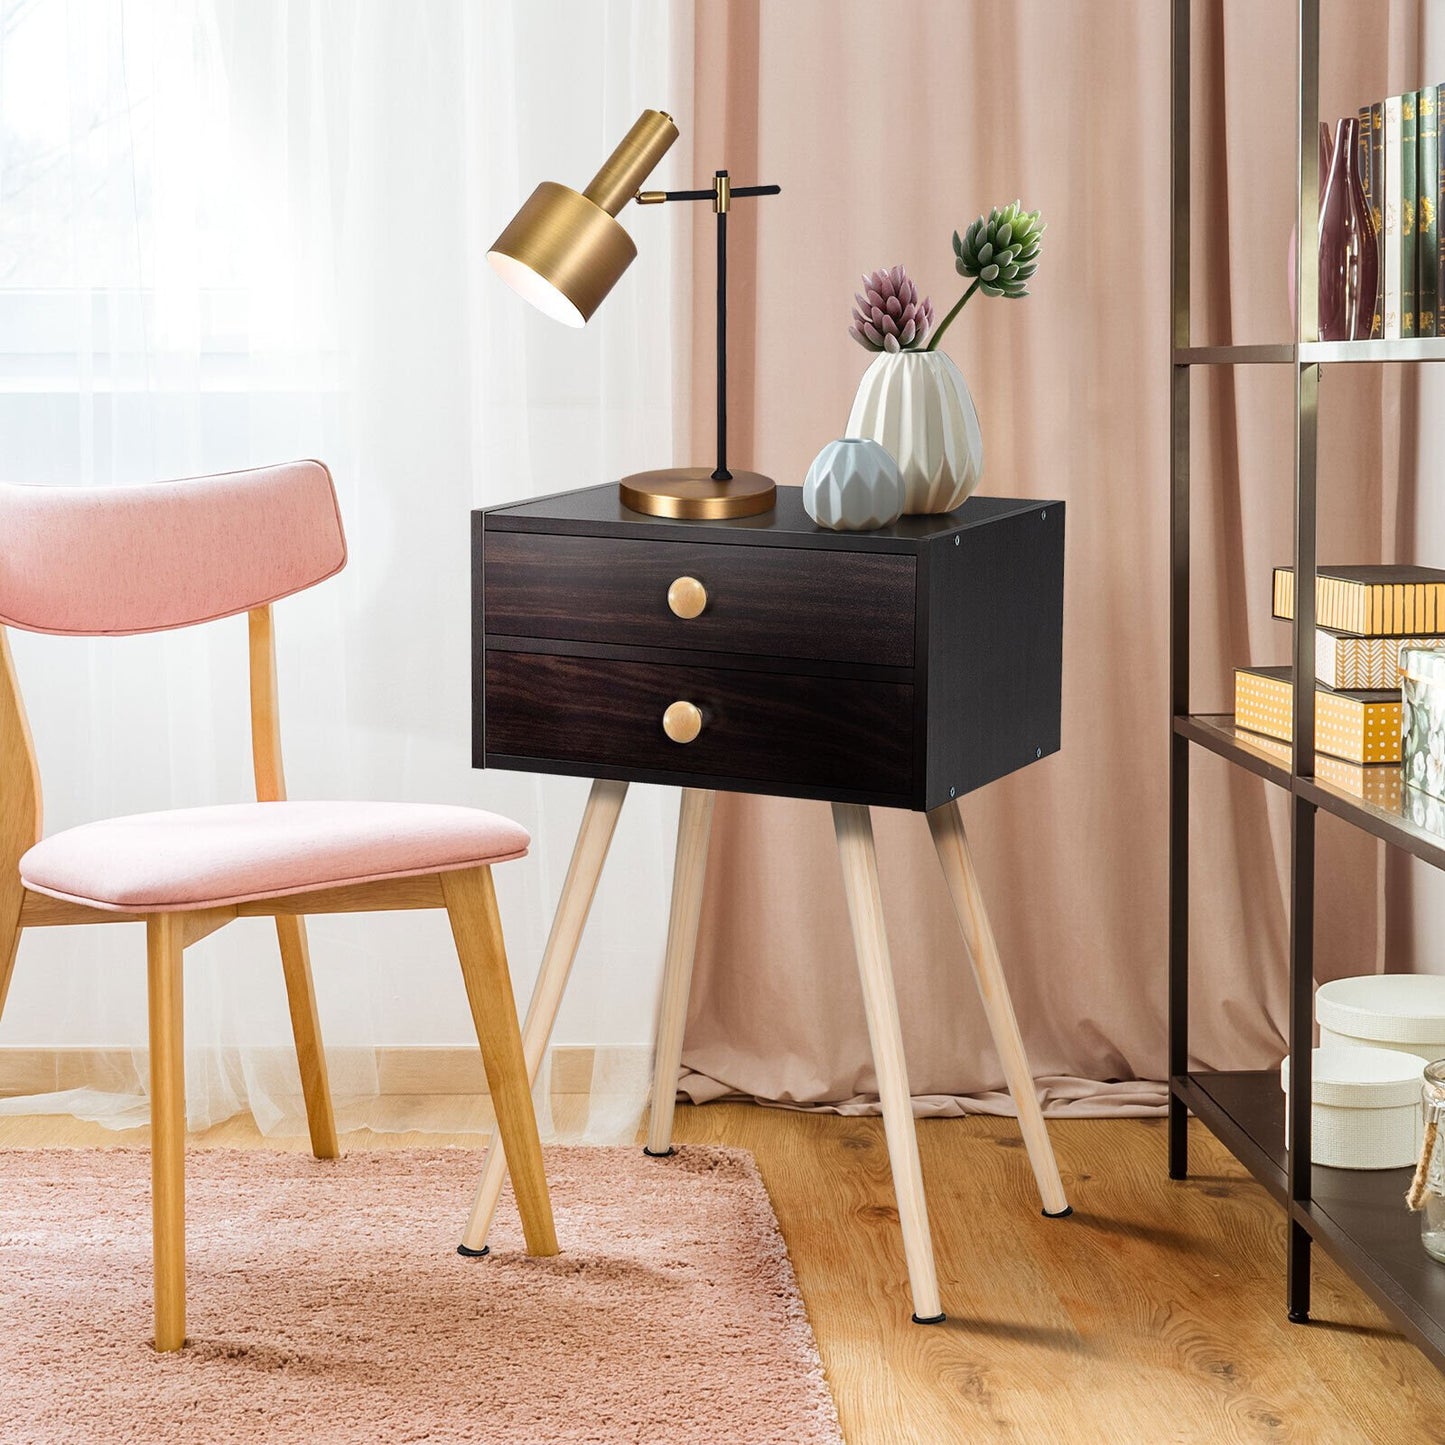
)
(238, 231)
(889, 126)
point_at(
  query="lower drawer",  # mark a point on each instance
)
(804, 732)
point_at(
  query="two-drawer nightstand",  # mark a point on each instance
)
(899, 668)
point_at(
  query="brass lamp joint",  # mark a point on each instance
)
(722, 193)
(650, 198)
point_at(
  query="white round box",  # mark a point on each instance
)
(1401, 1011)
(1366, 1108)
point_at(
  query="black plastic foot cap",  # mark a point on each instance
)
(659, 1153)
(1299, 1317)
(929, 1320)
(1064, 1213)
(474, 1253)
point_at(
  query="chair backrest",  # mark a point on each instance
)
(119, 560)
(102, 561)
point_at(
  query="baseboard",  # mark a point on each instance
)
(400, 1069)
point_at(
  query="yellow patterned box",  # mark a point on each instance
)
(1344, 661)
(1360, 727)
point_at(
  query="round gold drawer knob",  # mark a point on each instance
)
(687, 597)
(682, 722)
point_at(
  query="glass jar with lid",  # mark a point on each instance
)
(1427, 1192)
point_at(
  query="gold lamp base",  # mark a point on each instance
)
(691, 493)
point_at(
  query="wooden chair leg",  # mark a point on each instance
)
(165, 950)
(477, 927)
(694, 829)
(594, 838)
(857, 854)
(306, 1029)
(9, 951)
(949, 838)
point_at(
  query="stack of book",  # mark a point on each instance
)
(1401, 175)
(1364, 616)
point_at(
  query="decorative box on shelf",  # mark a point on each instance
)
(1401, 1011)
(1366, 1108)
(1359, 727)
(1422, 685)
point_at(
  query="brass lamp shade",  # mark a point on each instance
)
(562, 252)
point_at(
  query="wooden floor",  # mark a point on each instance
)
(1154, 1314)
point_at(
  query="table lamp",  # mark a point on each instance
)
(565, 250)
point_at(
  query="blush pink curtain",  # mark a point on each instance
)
(888, 126)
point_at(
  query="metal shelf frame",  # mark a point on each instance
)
(1379, 1263)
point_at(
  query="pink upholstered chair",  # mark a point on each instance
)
(144, 559)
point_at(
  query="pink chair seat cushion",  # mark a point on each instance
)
(234, 853)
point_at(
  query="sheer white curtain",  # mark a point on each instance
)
(240, 231)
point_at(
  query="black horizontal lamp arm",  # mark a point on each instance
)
(721, 193)
(656, 198)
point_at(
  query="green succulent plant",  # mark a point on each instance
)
(1002, 251)
(998, 252)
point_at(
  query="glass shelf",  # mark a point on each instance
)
(1309, 353)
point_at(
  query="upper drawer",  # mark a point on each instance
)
(773, 601)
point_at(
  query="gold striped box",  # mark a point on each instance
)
(1360, 727)
(1370, 601)
(1363, 663)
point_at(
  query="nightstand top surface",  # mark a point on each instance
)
(598, 511)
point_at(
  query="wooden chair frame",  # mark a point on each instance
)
(471, 904)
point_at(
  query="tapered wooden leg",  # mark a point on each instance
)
(694, 827)
(306, 1029)
(856, 851)
(9, 950)
(168, 1127)
(477, 927)
(594, 838)
(949, 838)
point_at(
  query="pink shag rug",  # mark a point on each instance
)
(327, 1304)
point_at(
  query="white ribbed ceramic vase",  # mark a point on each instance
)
(916, 405)
(853, 486)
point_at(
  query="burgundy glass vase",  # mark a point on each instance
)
(1349, 249)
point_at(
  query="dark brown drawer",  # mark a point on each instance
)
(836, 606)
(767, 727)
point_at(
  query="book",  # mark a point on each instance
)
(1363, 155)
(1362, 152)
(1345, 661)
(1377, 211)
(1408, 190)
(1439, 201)
(1371, 601)
(1360, 727)
(1390, 197)
(1427, 227)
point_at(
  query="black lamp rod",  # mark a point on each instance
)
(711, 193)
(720, 193)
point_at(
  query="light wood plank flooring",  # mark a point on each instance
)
(1154, 1314)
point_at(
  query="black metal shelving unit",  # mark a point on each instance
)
(1357, 1217)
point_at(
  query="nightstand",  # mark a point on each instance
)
(899, 668)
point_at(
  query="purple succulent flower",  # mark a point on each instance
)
(887, 314)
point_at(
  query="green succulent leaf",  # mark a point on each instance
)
(1000, 250)
(998, 253)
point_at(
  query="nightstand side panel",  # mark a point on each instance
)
(995, 650)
